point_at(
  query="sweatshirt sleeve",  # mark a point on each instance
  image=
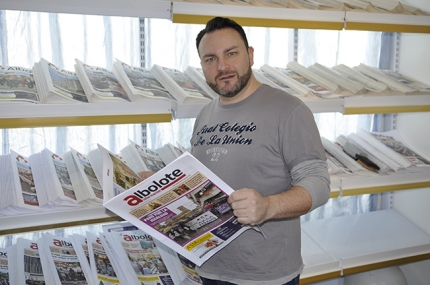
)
(314, 177)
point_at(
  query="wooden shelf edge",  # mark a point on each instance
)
(83, 120)
(387, 263)
(261, 22)
(385, 110)
(379, 189)
(393, 28)
(321, 277)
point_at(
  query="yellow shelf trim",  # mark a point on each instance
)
(380, 189)
(385, 110)
(83, 120)
(261, 22)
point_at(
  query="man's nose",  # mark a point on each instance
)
(222, 64)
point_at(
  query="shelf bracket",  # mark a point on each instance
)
(340, 189)
(344, 21)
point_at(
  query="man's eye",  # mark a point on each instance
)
(232, 53)
(209, 59)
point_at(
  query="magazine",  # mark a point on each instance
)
(184, 206)
(140, 84)
(17, 85)
(60, 261)
(180, 86)
(421, 88)
(100, 84)
(56, 85)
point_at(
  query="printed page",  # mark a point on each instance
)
(184, 205)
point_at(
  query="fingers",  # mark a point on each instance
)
(248, 206)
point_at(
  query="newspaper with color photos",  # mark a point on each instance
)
(184, 205)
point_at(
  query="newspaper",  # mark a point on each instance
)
(184, 205)
(17, 85)
(4, 266)
(60, 261)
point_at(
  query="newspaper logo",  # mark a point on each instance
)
(136, 237)
(61, 243)
(34, 246)
(137, 197)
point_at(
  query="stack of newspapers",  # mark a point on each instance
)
(340, 81)
(17, 85)
(180, 85)
(57, 85)
(120, 254)
(46, 181)
(372, 154)
(140, 84)
(100, 84)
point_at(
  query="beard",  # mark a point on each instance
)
(231, 92)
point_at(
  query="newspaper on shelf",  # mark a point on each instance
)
(60, 263)
(57, 85)
(100, 84)
(184, 206)
(4, 265)
(17, 85)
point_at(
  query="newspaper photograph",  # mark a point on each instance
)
(184, 205)
(17, 84)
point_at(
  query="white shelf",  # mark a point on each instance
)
(348, 186)
(196, 13)
(55, 219)
(347, 243)
(40, 115)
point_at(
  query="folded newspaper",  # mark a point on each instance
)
(183, 205)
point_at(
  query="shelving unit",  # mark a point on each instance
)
(344, 250)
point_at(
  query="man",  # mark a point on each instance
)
(264, 143)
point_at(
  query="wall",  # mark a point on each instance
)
(414, 61)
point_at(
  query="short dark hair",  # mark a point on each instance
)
(219, 23)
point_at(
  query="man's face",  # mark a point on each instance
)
(225, 61)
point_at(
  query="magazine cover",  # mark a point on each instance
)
(17, 85)
(184, 205)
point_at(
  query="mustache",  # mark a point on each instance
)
(224, 73)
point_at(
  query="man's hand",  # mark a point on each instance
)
(145, 174)
(249, 206)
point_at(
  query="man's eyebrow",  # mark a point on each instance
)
(225, 51)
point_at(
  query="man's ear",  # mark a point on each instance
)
(251, 55)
